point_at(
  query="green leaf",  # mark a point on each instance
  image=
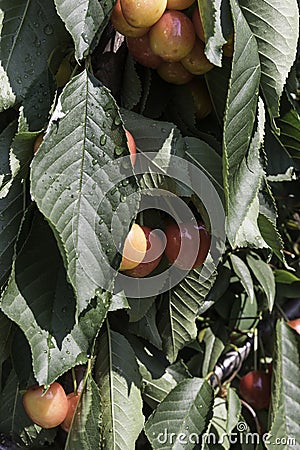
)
(285, 428)
(84, 433)
(139, 307)
(275, 26)
(74, 191)
(84, 21)
(207, 159)
(6, 327)
(213, 349)
(244, 178)
(177, 427)
(265, 277)
(244, 275)
(234, 407)
(41, 302)
(285, 277)
(119, 381)
(146, 327)
(289, 126)
(179, 309)
(132, 86)
(30, 32)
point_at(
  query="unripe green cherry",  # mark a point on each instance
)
(174, 73)
(173, 36)
(143, 13)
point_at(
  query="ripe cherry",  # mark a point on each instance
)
(155, 248)
(122, 26)
(255, 388)
(135, 247)
(46, 410)
(143, 13)
(180, 248)
(295, 324)
(72, 404)
(140, 50)
(196, 61)
(173, 36)
(131, 146)
(174, 73)
(179, 4)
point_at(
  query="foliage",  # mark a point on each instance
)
(65, 211)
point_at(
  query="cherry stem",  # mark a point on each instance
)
(253, 414)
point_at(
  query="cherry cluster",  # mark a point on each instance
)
(166, 35)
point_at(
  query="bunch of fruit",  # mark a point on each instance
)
(144, 248)
(161, 35)
(52, 407)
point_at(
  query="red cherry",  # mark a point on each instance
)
(183, 240)
(155, 248)
(255, 388)
(72, 404)
(132, 146)
(295, 324)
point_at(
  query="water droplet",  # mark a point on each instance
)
(117, 120)
(103, 139)
(94, 161)
(48, 29)
(68, 352)
(118, 150)
(122, 198)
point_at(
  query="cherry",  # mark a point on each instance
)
(180, 247)
(179, 4)
(255, 388)
(229, 46)
(135, 247)
(174, 73)
(197, 22)
(72, 404)
(46, 410)
(140, 50)
(122, 26)
(64, 73)
(173, 36)
(152, 257)
(201, 97)
(295, 324)
(131, 146)
(196, 61)
(143, 13)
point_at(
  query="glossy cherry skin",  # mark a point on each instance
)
(155, 248)
(180, 247)
(140, 50)
(72, 404)
(131, 146)
(295, 324)
(135, 247)
(255, 389)
(48, 410)
(143, 13)
(122, 26)
(173, 36)
(38, 142)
